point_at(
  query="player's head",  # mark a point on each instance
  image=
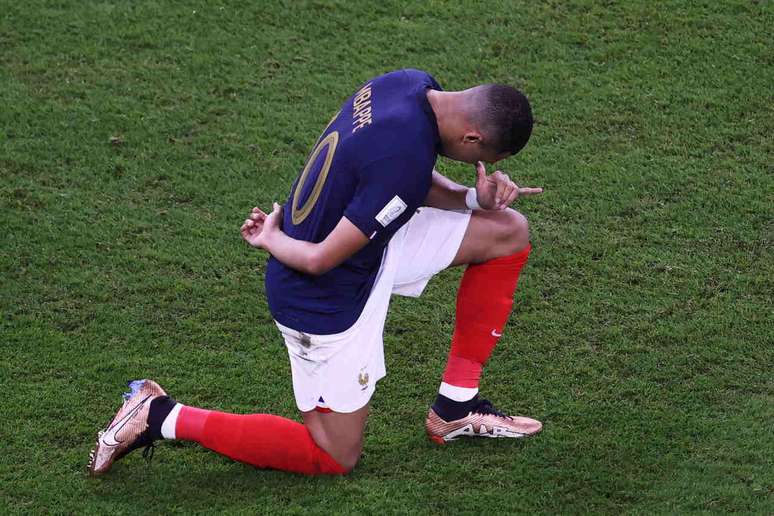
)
(495, 121)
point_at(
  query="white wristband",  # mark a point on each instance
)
(471, 199)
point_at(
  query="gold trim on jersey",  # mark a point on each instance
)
(332, 119)
(330, 142)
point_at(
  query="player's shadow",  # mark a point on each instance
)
(204, 480)
(208, 481)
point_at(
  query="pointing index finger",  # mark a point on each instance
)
(530, 191)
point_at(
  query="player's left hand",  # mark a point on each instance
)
(259, 227)
(497, 191)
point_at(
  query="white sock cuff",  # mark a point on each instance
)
(457, 393)
(168, 426)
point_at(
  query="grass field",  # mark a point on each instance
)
(134, 136)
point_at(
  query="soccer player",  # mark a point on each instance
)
(369, 217)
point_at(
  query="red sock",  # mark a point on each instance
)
(484, 302)
(262, 440)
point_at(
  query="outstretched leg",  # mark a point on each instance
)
(328, 444)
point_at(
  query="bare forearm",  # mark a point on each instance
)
(296, 254)
(446, 194)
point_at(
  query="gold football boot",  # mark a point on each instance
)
(128, 429)
(482, 421)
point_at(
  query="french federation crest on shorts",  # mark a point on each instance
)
(362, 379)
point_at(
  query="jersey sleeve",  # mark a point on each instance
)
(388, 192)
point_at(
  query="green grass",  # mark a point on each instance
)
(643, 330)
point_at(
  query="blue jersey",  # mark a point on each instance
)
(373, 165)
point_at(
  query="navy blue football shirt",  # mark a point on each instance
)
(373, 165)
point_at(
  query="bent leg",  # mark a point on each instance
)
(492, 234)
(496, 247)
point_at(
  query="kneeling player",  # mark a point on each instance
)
(369, 217)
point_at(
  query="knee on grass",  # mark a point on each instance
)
(349, 462)
(346, 454)
(346, 457)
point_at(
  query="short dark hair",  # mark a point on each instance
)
(505, 117)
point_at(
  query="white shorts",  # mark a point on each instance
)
(339, 372)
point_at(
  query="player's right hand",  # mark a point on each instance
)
(257, 229)
(497, 191)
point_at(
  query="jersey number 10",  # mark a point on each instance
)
(327, 144)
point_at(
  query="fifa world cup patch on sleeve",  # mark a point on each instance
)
(391, 211)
